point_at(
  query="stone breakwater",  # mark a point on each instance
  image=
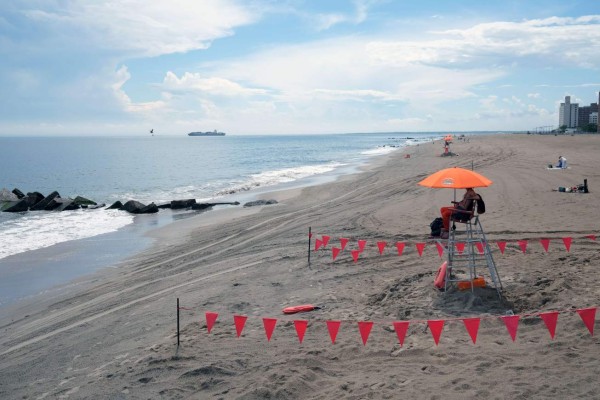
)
(17, 201)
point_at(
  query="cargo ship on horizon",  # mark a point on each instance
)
(213, 133)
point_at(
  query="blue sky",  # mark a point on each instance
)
(122, 67)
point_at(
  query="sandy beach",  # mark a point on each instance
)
(113, 334)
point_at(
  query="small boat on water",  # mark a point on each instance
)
(213, 133)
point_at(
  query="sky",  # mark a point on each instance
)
(123, 67)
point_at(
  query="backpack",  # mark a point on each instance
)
(480, 205)
(436, 226)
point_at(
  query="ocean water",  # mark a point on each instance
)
(154, 169)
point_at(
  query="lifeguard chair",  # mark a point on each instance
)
(469, 251)
(447, 143)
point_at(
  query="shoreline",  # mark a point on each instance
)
(134, 240)
(117, 338)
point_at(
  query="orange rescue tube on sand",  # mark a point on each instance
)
(440, 278)
(297, 309)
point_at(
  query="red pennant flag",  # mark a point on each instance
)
(588, 316)
(436, 326)
(355, 254)
(567, 242)
(335, 251)
(239, 321)
(381, 246)
(211, 317)
(361, 245)
(400, 247)
(550, 319)
(472, 326)
(545, 244)
(420, 248)
(318, 244)
(333, 327)
(440, 248)
(512, 323)
(344, 242)
(300, 325)
(269, 324)
(310, 235)
(522, 245)
(460, 247)
(593, 237)
(479, 246)
(401, 327)
(325, 239)
(501, 246)
(365, 331)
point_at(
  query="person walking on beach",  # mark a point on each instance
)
(465, 204)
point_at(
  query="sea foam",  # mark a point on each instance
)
(285, 175)
(41, 229)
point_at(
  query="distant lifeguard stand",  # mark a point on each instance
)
(468, 251)
(447, 143)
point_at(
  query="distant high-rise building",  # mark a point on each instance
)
(569, 113)
(598, 125)
(594, 118)
(584, 115)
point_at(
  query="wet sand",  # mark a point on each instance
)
(113, 334)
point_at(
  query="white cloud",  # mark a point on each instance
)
(121, 76)
(557, 40)
(194, 82)
(327, 21)
(149, 28)
(353, 83)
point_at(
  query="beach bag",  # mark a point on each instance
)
(436, 227)
(480, 205)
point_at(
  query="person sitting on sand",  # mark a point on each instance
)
(562, 162)
(465, 204)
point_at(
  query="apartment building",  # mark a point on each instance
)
(569, 114)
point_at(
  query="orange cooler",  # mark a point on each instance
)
(477, 282)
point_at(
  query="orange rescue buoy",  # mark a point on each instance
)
(301, 308)
(440, 278)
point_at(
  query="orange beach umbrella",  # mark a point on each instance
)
(455, 178)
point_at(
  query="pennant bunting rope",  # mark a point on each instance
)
(420, 247)
(364, 327)
(472, 326)
(300, 325)
(401, 327)
(545, 244)
(211, 318)
(435, 326)
(501, 246)
(400, 247)
(512, 324)
(333, 327)
(343, 243)
(269, 324)
(550, 319)
(567, 243)
(440, 249)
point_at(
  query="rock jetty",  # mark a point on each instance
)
(17, 201)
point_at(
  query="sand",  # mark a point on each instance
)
(113, 334)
